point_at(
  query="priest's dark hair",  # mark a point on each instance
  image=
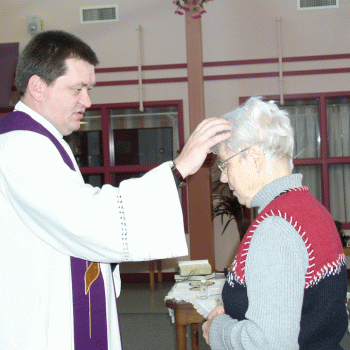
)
(45, 56)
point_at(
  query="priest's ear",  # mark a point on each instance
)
(35, 88)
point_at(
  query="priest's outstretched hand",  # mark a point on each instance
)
(207, 134)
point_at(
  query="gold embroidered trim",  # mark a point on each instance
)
(91, 275)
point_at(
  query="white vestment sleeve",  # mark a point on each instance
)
(154, 219)
(86, 222)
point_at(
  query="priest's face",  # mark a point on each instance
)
(65, 100)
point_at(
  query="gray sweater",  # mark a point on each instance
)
(275, 278)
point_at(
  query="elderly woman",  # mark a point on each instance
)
(287, 285)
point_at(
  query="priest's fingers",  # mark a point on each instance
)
(208, 128)
(207, 134)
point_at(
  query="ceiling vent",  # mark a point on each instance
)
(317, 4)
(99, 14)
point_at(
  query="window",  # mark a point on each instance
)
(307, 142)
(322, 148)
(338, 132)
(142, 139)
(117, 142)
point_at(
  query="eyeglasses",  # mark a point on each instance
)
(224, 164)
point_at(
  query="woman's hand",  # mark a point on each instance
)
(206, 328)
(219, 310)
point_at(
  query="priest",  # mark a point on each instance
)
(59, 235)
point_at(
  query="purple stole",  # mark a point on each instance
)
(89, 309)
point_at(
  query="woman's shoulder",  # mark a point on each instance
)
(277, 233)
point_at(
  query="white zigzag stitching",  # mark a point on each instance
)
(329, 270)
(233, 276)
(310, 271)
(310, 280)
(326, 270)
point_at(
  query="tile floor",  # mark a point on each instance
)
(145, 321)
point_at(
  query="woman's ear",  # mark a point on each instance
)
(36, 87)
(257, 156)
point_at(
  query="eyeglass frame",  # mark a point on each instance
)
(223, 165)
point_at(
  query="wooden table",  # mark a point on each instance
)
(347, 251)
(185, 314)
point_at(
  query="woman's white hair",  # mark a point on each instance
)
(259, 122)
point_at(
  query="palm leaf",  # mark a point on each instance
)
(227, 205)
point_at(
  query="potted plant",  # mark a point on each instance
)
(225, 205)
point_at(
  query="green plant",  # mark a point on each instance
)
(344, 239)
(227, 205)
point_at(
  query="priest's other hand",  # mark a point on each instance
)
(204, 137)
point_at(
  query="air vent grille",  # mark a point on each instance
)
(317, 4)
(108, 13)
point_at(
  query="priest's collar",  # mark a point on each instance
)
(21, 107)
